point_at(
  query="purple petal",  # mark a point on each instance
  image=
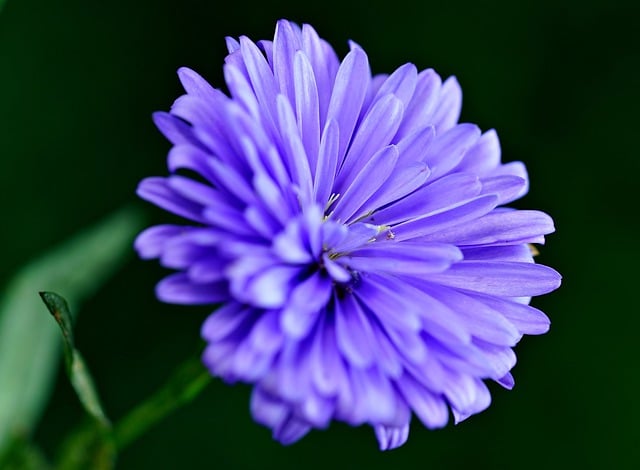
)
(225, 320)
(433, 316)
(174, 129)
(151, 242)
(447, 192)
(289, 245)
(328, 371)
(500, 278)
(195, 191)
(348, 94)
(413, 148)
(484, 156)
(404, 258)
(375, 132)
(354, 334)
(501, 358)
(507, 187)
(507, 381)
(267, 409)
(291, 430)
(189, 157)
(401, 182)
(285, 44)
(316, 410)
(480, 403)
(157, 191)
(308, 299)
(391, 437)
(269, 288)
(354, 237)
(266, 334)
(449, 105)
(207, 269)
(429, 407)
(529, 320)
(179, 289)
(295, 155)
(194, 84)
(181, 252)
(366, 183)
(327, 163)
(261, 76)
(420, 109)
(448, 148)
(498, 228)
(375, 399)
(428, 224)
(241, 90)
(521, 253)
(232, 44)
(514, 169)
(401, 83)
(478, 319)
(389, 306)
(307, 107)
(337, 272)
(324, 63)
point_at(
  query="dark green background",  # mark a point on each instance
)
(559, 81)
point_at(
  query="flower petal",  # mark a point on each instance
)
(305, 304)
(498, 228)
(366, 183)
(500, 278)
(348, 94)
(180, 289)
(391, 437)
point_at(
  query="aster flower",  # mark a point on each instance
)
(352, 232)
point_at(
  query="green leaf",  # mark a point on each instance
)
(76, 367)
(30, 345)
(2, 2)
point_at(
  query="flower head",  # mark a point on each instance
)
(353, 233)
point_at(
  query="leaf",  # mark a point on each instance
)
(76, 367)
(30, 345)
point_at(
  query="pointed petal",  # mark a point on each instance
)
(348, 94)
(179, 289)
(365, 184)
(500, 278)
(391, 437)
(375, 132)
(308, 299)
(307, 107)
(498, 228)
(447, 111)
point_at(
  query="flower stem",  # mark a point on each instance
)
(185, 384)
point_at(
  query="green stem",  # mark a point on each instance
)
(186, 383)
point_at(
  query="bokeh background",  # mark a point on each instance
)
(558, 80)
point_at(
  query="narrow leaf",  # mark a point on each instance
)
(76, 367)
(30, 345)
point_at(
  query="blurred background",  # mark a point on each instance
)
(559, 82)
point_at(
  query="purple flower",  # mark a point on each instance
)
(354, 235)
